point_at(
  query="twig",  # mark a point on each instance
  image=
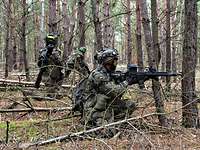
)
(77, 134)
(39, 109)
(7, 131)
(25, 83)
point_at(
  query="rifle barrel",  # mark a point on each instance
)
(157, 74)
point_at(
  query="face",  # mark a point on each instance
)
(112, 64)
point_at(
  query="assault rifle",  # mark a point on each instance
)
(139, 77)
(43, 63)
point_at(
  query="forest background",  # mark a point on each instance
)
(159, 33)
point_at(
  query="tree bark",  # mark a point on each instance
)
(107, 34)
(154, 24)
(175, 20)
(42, 17)
(52, 16)
(190, 110)
(139, 37)
(97, 24)
(81, 22)
(26, 66)
(98, 45)
(7, 39)
(68, 31)
(168, 44)
(149, 46)
(129, 38)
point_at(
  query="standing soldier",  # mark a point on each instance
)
(76, 62)
(51, 66)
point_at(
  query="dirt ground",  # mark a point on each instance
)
(22, 127)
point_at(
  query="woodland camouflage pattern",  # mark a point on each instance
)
(76, 62)
(104, 102)
(52, 76)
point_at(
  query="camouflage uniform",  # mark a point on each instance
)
(76, 62)
(52, 76)
(104, 104)
(51, 66)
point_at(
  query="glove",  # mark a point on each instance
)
(131, 80)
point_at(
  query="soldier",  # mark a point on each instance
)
(51, 66)
(103, 103)
(76, 62)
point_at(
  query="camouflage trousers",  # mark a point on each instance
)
(101, 110)
(52, 86)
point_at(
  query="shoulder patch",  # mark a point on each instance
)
(98, 76)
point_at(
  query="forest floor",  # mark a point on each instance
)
(140, 134)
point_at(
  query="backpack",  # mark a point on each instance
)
(79, 96)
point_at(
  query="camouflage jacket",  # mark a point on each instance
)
(100, 82)
(51, 64)
(76, 62)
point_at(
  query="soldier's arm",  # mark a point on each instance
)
(69, 66)
(56, 57)
(109, 88)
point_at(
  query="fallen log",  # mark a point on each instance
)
(5, 82)
(81, 133)
(38, 109)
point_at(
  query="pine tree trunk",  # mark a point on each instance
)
(42, 17)
(149, 46)
(175, 20)
(139, 37)
(52, 17)
(168, 44)
(68, 31)
(107, 27)
(180, 37)
(8, 36)
(81, 22)
(23, 40)
(154, 24)
(190, 110)
(129, 39)
(162, 34)
(97, 25)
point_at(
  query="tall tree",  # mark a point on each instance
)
(81, 22)
(8, 36)
(162, 33)
(97, 23)
(175, 19)
(107, 27)
(52, 16)
(139, 36)
(155, 21)
(190, 110)
(151, 58)
(98, 45)
(129, 39)
(42, 17)
(168, 42)
(68, 27)
(23, 39)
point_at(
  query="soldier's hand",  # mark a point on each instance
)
(131, 80)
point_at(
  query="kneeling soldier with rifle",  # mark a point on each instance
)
(101, 96)
(51, 66)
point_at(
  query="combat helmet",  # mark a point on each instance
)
(107, 55)
(81, 50)
(51, 39)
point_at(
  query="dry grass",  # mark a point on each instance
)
(141, 134)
